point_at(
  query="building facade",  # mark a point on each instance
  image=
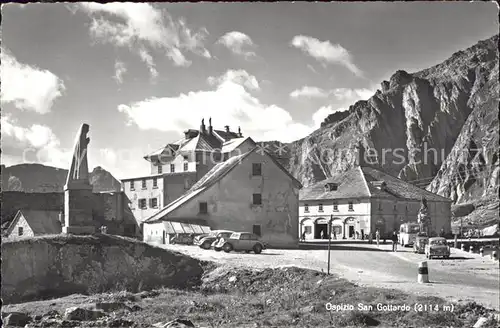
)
(176, 167)
(365, 199)
(251, 192)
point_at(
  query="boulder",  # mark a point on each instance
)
(112, 306)
(177, 323)
(82, 314)
(16, 319)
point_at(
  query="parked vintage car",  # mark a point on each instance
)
(420, 241)
(206, 241)
(437, 246)
(241, 241)
(182, 239)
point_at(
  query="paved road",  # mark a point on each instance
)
(462, 277)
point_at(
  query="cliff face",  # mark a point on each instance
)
(412, 124)
(41, 178)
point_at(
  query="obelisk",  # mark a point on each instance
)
(78, 196)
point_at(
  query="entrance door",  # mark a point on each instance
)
(351, 231)
(320, 228)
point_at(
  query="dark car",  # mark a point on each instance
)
(241, 241)
(206, 241)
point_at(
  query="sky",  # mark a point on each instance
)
(140, 74)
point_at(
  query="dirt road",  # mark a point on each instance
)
(462, 277)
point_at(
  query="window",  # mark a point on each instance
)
(186, 184)
(155, 183)
(335, 206)
(320, 207)
(20, 231)
(395, 207)
(256, 229)
(160, 169)
(132, 187)
(256, 169)
(203, 208)
(185, 166)
(142, 203)
(351, 206)
(257, 199)
(307, 229)
(143, 183)
(306, 208)
(153, 202)
(172, 168)
(380, 206)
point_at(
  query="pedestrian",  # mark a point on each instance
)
(377, 237)
(370, 238)
(322, 235)
(334, 234)
(304, 236)
(394, 241)
(357, 234)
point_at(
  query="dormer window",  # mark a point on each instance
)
(320, 207)
(380, 185)
(331, 186)
(306, 207)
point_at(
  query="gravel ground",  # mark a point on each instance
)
(461, 263)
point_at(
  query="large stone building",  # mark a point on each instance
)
(364, 199)
(176, 167)
(249, 191)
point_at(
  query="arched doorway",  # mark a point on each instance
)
(306, 229)
(349, 231)
(321, 228)
(337, 228)
(380, 226)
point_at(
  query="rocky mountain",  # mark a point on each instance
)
(41, 178)
(437, 128)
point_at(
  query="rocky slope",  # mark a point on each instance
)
(428, 124)
(50, 266)
(41, 178)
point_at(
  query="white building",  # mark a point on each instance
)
(365, 199)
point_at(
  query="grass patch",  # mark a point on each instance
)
(287, 297)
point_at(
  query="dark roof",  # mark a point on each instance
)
(362, 182)
(213, 176)
(41, 222)
(227, 135)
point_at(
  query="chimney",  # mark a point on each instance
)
(239, 132)
(210, 129)
(202, 127)
(227, 128)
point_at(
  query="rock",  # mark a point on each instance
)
(481, 322)
(148, 294)
(307, 309)
(82, 314)
(177, 323)
(319, 282)
(112, 306)
(232, 279)
(16, 319)
(120, 323)
(135, 308)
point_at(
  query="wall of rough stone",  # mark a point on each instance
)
(54, 266)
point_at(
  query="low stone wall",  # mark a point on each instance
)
(53, 266)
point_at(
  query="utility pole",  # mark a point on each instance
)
(329, 240)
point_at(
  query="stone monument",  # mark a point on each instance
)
(78, 196)
(424, 217)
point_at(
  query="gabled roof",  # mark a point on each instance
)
(232, 144)
(213, 176)
(364, 182)
(227, 135)
(41, 222)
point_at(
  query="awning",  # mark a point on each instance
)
(172, 227)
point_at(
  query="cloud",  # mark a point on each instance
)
(322, 113)
(309, 92)
(120, 69)
(33, 144)
(239, 43)
(325, 52)
(28, 87)
(352, 95)
(229, 102)
(240, 77)
(141, 27)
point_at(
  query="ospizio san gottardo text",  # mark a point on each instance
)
(381, 307)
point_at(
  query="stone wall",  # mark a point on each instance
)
(53, 266)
